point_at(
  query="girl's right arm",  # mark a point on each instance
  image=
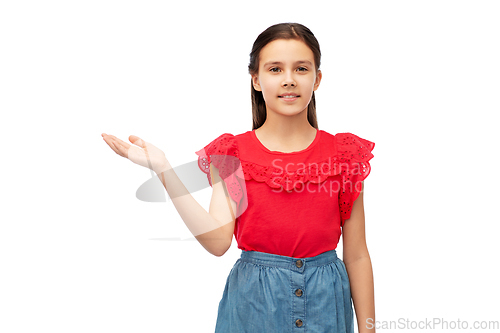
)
(213, 230)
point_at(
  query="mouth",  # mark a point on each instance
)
(288, 97)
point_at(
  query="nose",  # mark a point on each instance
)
(288, 81)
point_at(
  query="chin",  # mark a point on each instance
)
(290, 112)
(286, 110)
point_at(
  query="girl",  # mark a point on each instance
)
(287, 191)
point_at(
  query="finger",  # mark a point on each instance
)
(124, 147)
(120, 143)
(143, 144)
(137, 141)
(116, 140)
(117, 148)
(110, 144)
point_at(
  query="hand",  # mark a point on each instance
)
(147, 155)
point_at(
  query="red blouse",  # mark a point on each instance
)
(290, 204)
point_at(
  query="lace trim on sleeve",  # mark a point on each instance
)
(355, 153)
(223, 153)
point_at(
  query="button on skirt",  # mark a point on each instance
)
(267, 292)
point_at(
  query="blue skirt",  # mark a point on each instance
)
(271, 293)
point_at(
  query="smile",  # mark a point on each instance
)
(289, 98)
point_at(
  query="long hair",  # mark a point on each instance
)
(281, 31)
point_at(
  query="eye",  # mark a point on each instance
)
(273, 69)
(302, 69)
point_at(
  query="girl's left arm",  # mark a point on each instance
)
(359, 266)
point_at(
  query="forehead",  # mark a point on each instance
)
(286, 50)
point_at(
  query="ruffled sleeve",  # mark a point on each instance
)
(354, 154)
(224, 155)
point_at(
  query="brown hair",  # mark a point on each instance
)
(281, 31)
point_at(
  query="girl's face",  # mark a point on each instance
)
(286, 68)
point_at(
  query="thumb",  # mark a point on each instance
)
(137, 141)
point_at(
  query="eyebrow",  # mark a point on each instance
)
(280, 63)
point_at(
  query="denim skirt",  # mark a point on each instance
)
(272, 293)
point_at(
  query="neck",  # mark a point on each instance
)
(286, 129)
(289, 135)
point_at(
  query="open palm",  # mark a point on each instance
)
(145, 154)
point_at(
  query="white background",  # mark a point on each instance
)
(80, 253)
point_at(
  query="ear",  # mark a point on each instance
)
(318, 80)
(256, 83)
